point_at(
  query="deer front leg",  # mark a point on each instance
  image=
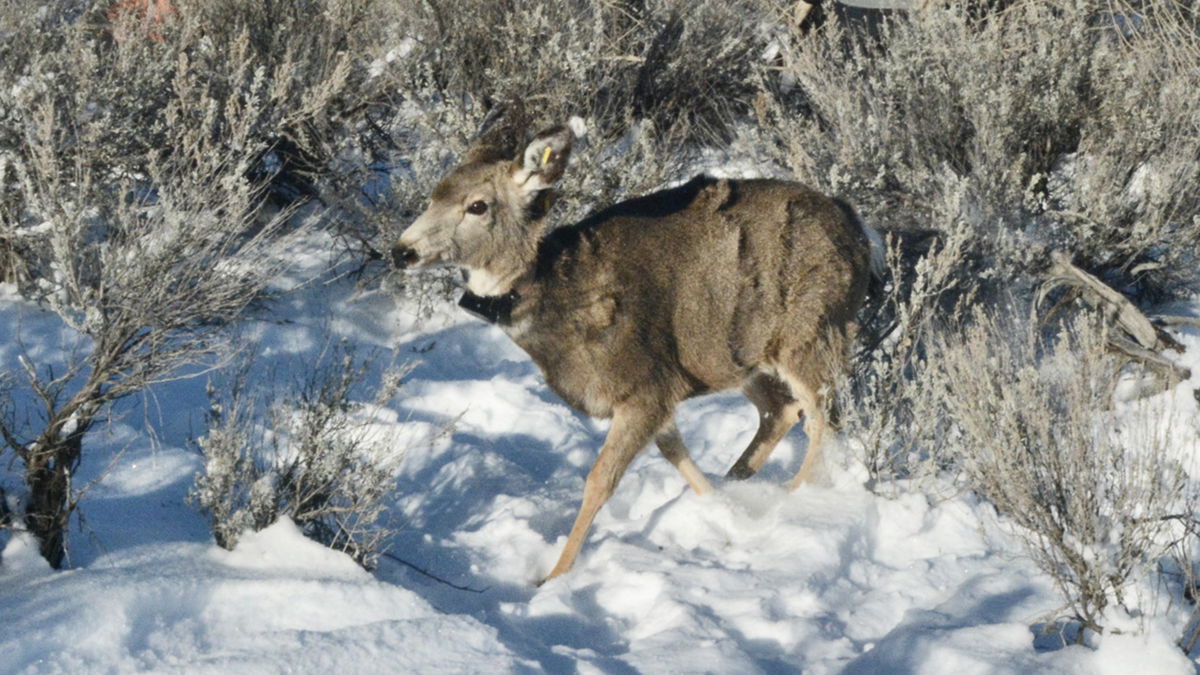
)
(632, 428)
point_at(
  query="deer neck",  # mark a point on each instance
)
(499, 308)
(492, 296)
(493, 293)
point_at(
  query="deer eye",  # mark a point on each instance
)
(477, 208)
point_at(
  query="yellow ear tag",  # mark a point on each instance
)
(546, 154)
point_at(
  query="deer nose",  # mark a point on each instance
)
(403, 256)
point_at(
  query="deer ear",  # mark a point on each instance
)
(544, 159)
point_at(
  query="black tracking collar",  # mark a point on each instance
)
(495, 309)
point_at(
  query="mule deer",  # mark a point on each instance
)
(699, 288)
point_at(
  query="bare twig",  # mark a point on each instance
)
(431, 575)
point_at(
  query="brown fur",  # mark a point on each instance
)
(711, 285)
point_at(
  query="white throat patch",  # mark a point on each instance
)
(484, 283)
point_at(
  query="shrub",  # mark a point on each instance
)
(1067, 124)
(884, 403)
(615, 63)
(1003, 138)
(133, 207)
(145, 273)
(279, 94)
(1092, 486)
(319, 462)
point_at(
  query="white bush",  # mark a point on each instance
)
(1067, 124)
(1092, 487)
(316, 458)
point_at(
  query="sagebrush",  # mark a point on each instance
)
(1069, 125)
(309, 453)
(1093, 486)
(148, 181)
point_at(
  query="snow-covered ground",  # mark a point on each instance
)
(749, 579)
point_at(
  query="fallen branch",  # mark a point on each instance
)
(1172, 320)
(1143, 341)
(1151, 359)
(1100, 295)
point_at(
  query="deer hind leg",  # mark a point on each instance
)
(812, 402)
(670, 444)
(809, 375)
(778, 412)
(810, 372)
(632, 428)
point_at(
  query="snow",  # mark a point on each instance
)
(751, 578)
(279, 602)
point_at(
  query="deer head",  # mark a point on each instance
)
(488, 214)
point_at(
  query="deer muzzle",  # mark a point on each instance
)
(404, 256)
